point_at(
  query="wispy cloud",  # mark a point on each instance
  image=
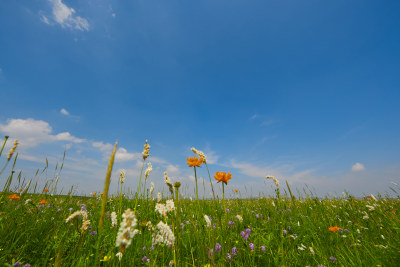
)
(64, 112)
(66, 17)
(358, 167)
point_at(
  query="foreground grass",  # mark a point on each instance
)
(272, 233)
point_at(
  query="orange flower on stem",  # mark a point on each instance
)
(45, 190)
(223, 177)
(14, 197)
(236, 190)
(194, 162)
(334, 229)
(43, 202)
(19, 190)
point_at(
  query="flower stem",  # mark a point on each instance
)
(212, 187)
(138, 190)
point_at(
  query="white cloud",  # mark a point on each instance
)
(173, 170)
(45, 20)
(103, 147)
(254, 116)
(357, 167)
(123, 155)
(64, 112)
(32, 132)
(65, 16)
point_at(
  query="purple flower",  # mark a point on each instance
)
(70, 209)
(182, 225)
(228, 257)
(27, 265)
(248, 231)
(257, 215)
(234, 251)
(144, 248)
(243, 234)
(218, 247)
(289, 228)
(214, 225)
(93, 233)
(227, 210)
(145, 259)
(251, 246)
(152, 247)
(284, 232)
(171, 263)
(252, 211)
(18, 263)
(332, 258)
(210, 253)
(263, 248)
(187, 222)
(231, 223)
(58, 210)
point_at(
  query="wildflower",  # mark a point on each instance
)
(218, 247)
(199, 153)
(333, 258)
(231, 223)
(145, 152)
(151, 189)
(18, 263)
(371, 208)
(11, 152)
(210, 252)
(159, 197)
(239, 218)
(122, 176)
(302, 247)
(27, 265)
(251, 246)
(334, 229)
(168, 183)
(170, 205)
(93, 233)
(263, 248)
(145, 259)
(85, 225)
(208, 220)
(194, 162)
(312, 250)
(171, 263)
(113, 219)
(284, 232)
(223, 177)
(106, 258)
(163, 235)
(236, 190)
(161, 209)
(234, 251)
(94, 194)
(14, 197)
(43, 202)
(148, 170)
(273, 178)
(119, 255)
(228, 257)
(45, 190)
(20, 190)
(127, 230)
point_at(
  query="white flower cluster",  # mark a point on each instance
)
(163, 209)
(127, 229)
(122, 176)
(113, 219)
(208, 221)
(239, 218)
(148, 170)
(151, 189)
(76, 214)
(199, 153)
(145, 152)
(159, 197)
(163, 235)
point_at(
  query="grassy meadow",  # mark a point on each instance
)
(40, 227)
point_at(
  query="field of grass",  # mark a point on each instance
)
(38, 227)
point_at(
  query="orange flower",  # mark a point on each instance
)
(19, 190)
(393, 212)
(92, 207)
(94, 194)
(334, 229)
(236, 190)
(14, 197)
(45, 190)
(43, 202)
(223, 177)
(194, 162)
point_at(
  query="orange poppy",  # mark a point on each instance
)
(223, 177)
(393, 212)
(94, 194)
(43, 202)
(334, 229)
(19, 190)
(194, 162)
(14, 197)
(236, 190)
(45, 190)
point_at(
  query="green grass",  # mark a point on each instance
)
(282, 229)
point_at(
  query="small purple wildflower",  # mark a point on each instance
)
(187, 222)
(227, 210)
(284, 232)
(263, 248)
(218, 247)
(182, 225)
(93, 233)
(333, 258)
(58, 210)
(210, 253)
(251, 246)
(248, 231)
(228, 257)
(214, 225)
(27, 265)
(70, 209)
(243, 234)
(18, 263)
(289, 228)
(171, 263)
(234, 251)
(144, 248)
(152, 247)
(145, 259)
(231, 222)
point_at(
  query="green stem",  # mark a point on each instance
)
(5, 141)
(138, 190)
(212, 187)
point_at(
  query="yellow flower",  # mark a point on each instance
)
(106, 258)
(194, 162)
(223, 177)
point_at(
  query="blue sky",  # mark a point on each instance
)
(307, 91)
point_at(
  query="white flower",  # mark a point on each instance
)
(159, 197)
(170, 205)
(145, 152)
(113, 219)
(27, 201)
(240, 218)
(163, 235)
(312, 250)
(371, 208)
(127, 229)
(85, 221)
(119, 255)
(148, 170)
(208, 221)
(199, 153)
(122, 176)
(302, 247)
(160, 208)
(151, 188)
(382, 237)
